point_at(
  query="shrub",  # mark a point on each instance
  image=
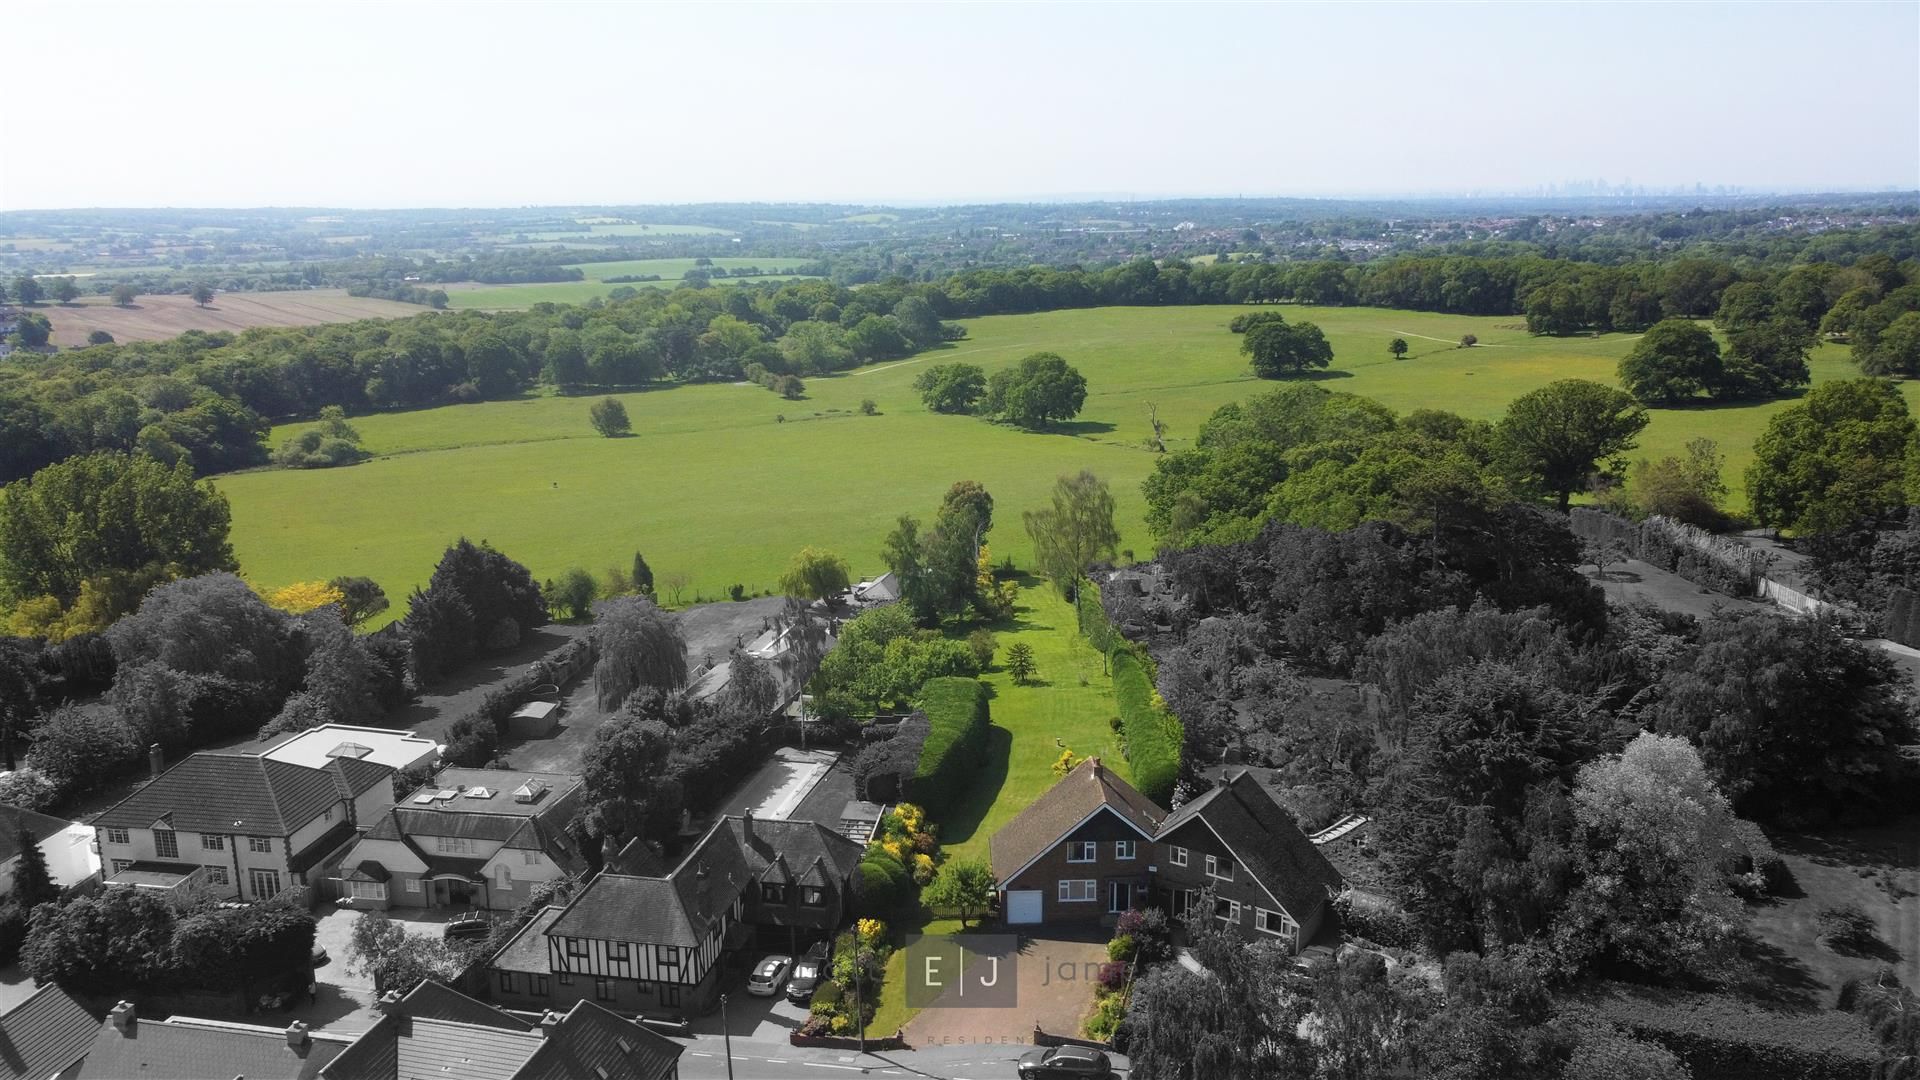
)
(982, 644)
(1153, 737)
(1104, 1021)
(1719, 1037)
(957, 716)
(1763, 872)
(1121, 948)
(880, 886)
(28, 789)
(1392, 929)
(1112, 975)
(1151, 931)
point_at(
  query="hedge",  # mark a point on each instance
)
(1714, 562)
(956, 709)
(1092, 614)
(1153, 736)
(1719, 1037)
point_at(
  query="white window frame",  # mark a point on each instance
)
(217, 875)
(503, 877)
(161, 851)
(1125, 850)
(1287, 926)
(1213, 868)
(260, 845)
(1090, 886)
(530, 858)
(413, 884)
(212, 842)
(119, 865)
(119, 836)
(1233, 913)
(1176, 855)
(1090, 848)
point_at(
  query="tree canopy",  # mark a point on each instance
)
(1035, 393)
(1673, 362)
(1075, 532)
(1565, 431)
(815, 574)
(1279, 348)
(1833, 458)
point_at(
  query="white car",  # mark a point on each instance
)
(769, 975)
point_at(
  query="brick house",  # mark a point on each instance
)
(660, 944)
(1081, 852)
(243, 826)
(1092, 847)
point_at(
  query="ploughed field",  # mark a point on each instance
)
(725, 482)
(152, 318)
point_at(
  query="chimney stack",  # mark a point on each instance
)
(1096, 764)
(388, 1004)
(156, 761)
(121, 1017)
(297, 1034)
(549, 1023)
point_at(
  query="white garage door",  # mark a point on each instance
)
(1023, 906)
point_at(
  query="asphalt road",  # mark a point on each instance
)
(755, 1059)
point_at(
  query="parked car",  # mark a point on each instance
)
(1078, 1062)
(769, 975)
(469, 927)
(807, 975)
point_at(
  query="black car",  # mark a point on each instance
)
(469, 927)
(1078, 1062)
(807, 975)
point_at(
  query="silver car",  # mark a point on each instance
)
(769, 975)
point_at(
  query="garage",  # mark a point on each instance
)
(1023, 906)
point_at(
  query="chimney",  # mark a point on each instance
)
(1096, 764)
(609, 851)
(296, 1034)
(121, 1017)
(549, 1024)
(156, 761)
(388, 1004)
(746, 824)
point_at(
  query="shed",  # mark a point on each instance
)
(534, 720)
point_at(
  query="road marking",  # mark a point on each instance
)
(830, 1065)
(699, 1053)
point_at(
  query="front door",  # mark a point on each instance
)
(1119, 897)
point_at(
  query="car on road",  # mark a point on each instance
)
(807, 975)
(769, 975)
(1060, 1062)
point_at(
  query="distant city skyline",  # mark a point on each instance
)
(451, 104)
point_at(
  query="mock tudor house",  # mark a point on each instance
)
(242, 826)
(657, 944)
(1092, 847)
(470, 838)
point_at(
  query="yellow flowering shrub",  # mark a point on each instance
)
(1065, 762)
(922, 869)
(304, 596)
(870, 931)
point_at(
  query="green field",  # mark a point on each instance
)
(714, 484)
(600, 227)
(512, 297)
(674, 269)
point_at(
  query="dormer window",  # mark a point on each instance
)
(772, 893)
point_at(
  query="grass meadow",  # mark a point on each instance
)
(725, 482)
(463, 296)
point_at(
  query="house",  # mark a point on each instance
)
(437, 1032)
(481, 838)
(127, 1047)
(1078, 853)
(1269, 881)
(874, 592)
(320, 746)
(248, 826)
(67, 845)
(44, 1035)
(1092, 847)
(658, 944)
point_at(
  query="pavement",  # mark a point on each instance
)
(755, 1059)
(768, 1019)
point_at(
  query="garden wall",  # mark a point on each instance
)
(1707, 560)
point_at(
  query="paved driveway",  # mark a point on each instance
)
(1054, 981)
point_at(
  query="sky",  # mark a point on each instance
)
(398, 104)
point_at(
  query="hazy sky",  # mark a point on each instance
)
(468, 104)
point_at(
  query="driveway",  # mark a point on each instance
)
(1054, 990)
(344, 1000)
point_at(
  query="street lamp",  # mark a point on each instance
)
(726, 1035)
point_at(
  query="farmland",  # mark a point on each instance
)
(502, 297)
(724, 482)
(163, 316)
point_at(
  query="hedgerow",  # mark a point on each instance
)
(957, 713)
(1153, 736)
(1723, 1038)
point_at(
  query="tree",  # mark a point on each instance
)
(816, 348)
(65, 291)
(74, 745)
(34, 330)
(342, 672)
(642, 575)
(1673, 362)
(752, 690)
(1398, 348)
(1279, 349)
(1468, 341)
(202, 294)
(951, 388)
(32, 881)
(962, 886)
(106, 512)
(1076, 532)
(1833, 458)
(396, 959)
(439, 631)
(638, 646)
(1563, 432)
(101, 945)
(27, 290)
(610, 418)
(1898, 350)
(1039, 390)
(627, 793)
(361, 598)
(99, 337)
(574, 593)
(1020, 661)
(1687, 489)
(124, 295)
(815, 574)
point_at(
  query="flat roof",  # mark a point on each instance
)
(316, 748)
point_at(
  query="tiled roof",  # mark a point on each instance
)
(799, 844)
(592, 1042)
(153, 1050)
(620, 907)
(44, 1034)
(445, 1048)
(437, 1033)
(1072, 800)
(1265, 839)
(13, 819)
(528, 950)
(228, 793)
(355, 778)
(433, 1001)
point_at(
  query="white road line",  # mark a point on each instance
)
(828, 1065)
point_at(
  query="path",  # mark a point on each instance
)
(942, 355)
(1446, 341)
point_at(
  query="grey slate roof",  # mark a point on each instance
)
(151, 1050)
(44, 1034)
(228, 793)
(1087, 788)
(1265, 838)
(433, 1001)
(592, 1042)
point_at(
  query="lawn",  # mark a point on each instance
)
(1876, 868)
(717, 484)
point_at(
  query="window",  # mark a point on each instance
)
(413, 884)
(771, 893)
(503, 877)
(566, 978)
(602, 990)
(1226, 910)
(217, 875)
(1184, 901)
(166, 844)
(530, 858)
(669, 996)
(266, 883)
(577, 948)
(212, 842)
(539, 985)
(1123, 850)
(1221, 868)
(1274, 922)
(1083, 851)
(260, 844)
(453, 845)
(327, 814)
(617, 951)
(118, 836)
(121, 864)
(813, 896)
(1073, 892)
(506, 982)
(666, 956)
(1176, 855)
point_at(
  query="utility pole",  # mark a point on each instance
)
(726, 1035)
(859, 1013)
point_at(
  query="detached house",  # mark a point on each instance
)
(658, 944)
(470, 838)
(243, 826)
(67, 845)
(1092, 847)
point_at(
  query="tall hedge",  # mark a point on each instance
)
(1153, 735)
(956, 709)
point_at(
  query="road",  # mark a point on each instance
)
(754, 1059)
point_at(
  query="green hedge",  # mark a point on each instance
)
(1722, 1038)
(956, 709)
(1094, 625)
(1153, 736)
